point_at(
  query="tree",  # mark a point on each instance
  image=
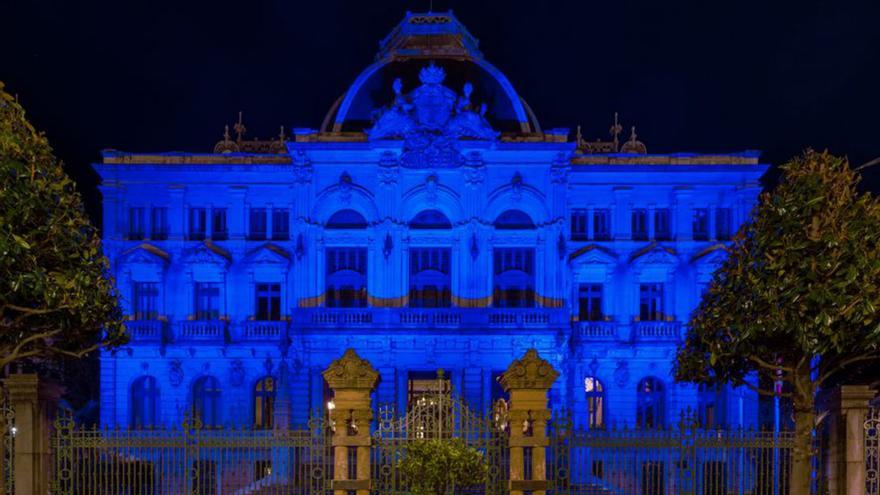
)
(56, 298)
(796, 300)
(436, 466)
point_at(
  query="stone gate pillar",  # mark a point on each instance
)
(352, 379)
(34, 404)
(847, 407)
(527, 381)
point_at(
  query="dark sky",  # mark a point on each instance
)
(704, 75)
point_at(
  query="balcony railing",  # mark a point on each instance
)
(595, 330)
(430, 317)
(265, 330)
(201, 330)
(146, 330)
(657, 330)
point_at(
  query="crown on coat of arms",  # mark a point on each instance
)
(432, 74)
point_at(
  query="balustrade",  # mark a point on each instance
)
(201, 330)
(657, 330)
(146, 330)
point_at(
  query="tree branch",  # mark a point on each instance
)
(843, 364)
(16, 352)
(772, 367)
(761, 391)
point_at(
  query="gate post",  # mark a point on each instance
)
(527, 382)
(34, 404)
(352, 379)
(845, 462)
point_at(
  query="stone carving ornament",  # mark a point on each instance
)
(431, 119)
(175, 372)
(350, 371)
(531, 371)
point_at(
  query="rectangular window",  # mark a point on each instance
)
(219, 230)
(590, 302)
(723, 224)
(280, 224)
(136, 223)
(268, 302)
(514, 278)
(207, 301)
(257, 224)
(422, 387)
(602, 224)
(429, 278)
(701, 224)
(159, 223)
(346, 279)
(640, 224)
(579, 225)
(651, 302)
(662, 227)
(145, 301)
(198, 227)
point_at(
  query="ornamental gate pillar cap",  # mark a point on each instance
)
(351, 372)
(529, 372)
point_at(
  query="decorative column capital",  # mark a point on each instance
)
(351, 372)
(529, 372)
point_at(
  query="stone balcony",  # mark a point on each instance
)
(201, 330)
(146, 330)
(430, 318)
(257, 330)
(656, 330)
(594, 330)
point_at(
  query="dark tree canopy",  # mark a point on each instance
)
(796, 301)
(56, 299)
(437, 466)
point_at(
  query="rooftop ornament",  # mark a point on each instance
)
(431, 119)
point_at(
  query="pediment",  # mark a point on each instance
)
(713, 255)
(207, 253)
(592, 254)
(654, 254)
(145, 254)
(268, 254)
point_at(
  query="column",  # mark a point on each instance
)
(621, 224)
(34, 404)
(352, 380)
(682, 217)
(528, 381)
(845, 460)
(176, 213)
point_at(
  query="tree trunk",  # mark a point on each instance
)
(804, 420)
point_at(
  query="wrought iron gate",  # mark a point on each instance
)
(191, 460)
(7, 442)
(872, 451)
(683, 459)
(437, 415)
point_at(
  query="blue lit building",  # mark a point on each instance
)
(430, 222)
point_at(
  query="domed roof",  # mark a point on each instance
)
(417, 42)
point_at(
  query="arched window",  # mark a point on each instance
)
(346, 279)
(264, 403)
(144, 402)
(430, 219)
(595, 393)
(206, 401)
(514, 220)
(649, 406)
(429, 278)
(513, 278)
(346, 219)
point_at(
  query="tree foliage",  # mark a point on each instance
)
(56, 297)
(436, 466)
(796, 300)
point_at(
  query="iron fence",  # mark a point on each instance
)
(872, 451)
(7, 443)
(191, 459)
(683, 459)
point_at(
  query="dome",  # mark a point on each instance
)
(418, 41)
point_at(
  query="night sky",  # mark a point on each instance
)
(703, 76)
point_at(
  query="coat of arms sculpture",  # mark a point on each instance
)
(431, 119)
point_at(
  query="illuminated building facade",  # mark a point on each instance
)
(430, 222)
